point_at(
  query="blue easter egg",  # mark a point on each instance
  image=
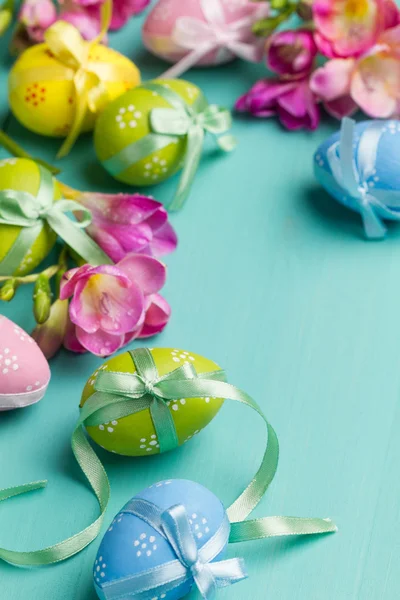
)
(382, 181)
(131, 546)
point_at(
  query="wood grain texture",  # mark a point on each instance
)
(273, 281)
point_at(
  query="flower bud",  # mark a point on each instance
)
(50, 335)
(7, 291)
(42, 299)
(5, 20)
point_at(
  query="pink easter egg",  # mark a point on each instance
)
(159, 31)
(24, 370)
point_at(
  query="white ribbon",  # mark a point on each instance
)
(201, 37)
(11, 401)
(352, 175)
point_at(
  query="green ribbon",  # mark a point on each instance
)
(32, 212)
(181, 120)
(119, 395)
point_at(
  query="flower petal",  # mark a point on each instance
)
(107, 242)
(120, 208)
(157, 316)
(112, 304)
(71, 341)
(350, 26)
(83, 309)
(333, 79)
(99, 343)
(291, 52)
(376, 85)
(147, 272)
(71, 278)
(165, 241)
(391, 14)
(261, 100)
(342, 107)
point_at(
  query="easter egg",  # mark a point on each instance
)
(159, 28)
(135, 435)
(131, 546)
(23, 175)
(126, 121)
(42, 91)
(24, 371)
(381, 181)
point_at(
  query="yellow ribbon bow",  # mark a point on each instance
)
(67, 45)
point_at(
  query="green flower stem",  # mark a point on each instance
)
(62, 268)
(16, 150)
(49, 273)
(282, 11)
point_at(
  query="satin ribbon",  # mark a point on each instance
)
(9, 401)
(72, 52)
(31, 212)
(352, 175)
(168, 125)
(119, 395)
(200, 38)
(193, 565)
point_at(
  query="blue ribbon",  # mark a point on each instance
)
(352, 175)
(193, 565)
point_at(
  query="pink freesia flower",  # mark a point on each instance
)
(36, 16)
(124, 223)
(85, 19)
(291, 52)
(332, 83)
(391, 14)
(123, 10)
(371, 82)
(292, 101)
(38, 13)
(158, 312)
(347, 28)
(109, 304)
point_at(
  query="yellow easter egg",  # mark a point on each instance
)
(23, 175)
(42, 91)
(135, 435)
(126, 121)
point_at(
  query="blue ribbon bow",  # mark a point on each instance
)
(353, 176)
(193, 565)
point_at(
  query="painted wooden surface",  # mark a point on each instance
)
(273, 281)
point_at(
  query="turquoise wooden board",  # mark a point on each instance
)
(273, 280)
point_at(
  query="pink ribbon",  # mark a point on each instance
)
(201, 37)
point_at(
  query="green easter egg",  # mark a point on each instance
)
(135, 435)
(126, 120)
(23, 175)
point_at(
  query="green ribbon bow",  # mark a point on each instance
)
(150, 392)
(119, 395)
(32, 212)
(182, 120)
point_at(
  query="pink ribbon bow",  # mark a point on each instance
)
(201, 37)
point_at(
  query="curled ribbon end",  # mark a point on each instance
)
(22, 489)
